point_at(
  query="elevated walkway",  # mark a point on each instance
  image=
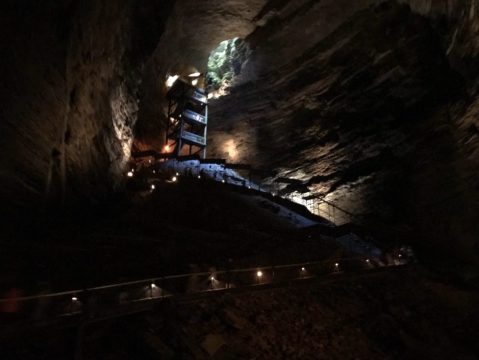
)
(81, 307)
(187, 119)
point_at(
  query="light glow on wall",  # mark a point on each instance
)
(230, 148)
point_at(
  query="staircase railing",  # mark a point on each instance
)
(114, 300)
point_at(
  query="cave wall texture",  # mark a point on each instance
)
(375, 112)
(191, 33)
(70, 75)
(370, 103)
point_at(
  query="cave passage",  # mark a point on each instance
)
(224, 65)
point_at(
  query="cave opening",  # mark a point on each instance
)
(225, 63)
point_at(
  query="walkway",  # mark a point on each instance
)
(74, 307)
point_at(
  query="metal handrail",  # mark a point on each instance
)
(171, 277)
(93, 304)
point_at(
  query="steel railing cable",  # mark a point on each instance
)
(205, 274)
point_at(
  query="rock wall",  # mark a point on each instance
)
(375, 113)
(458, 21)
(69, 95)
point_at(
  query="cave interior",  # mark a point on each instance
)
(334, 130)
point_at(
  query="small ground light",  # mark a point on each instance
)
(223, 181)
(303, 269)
(130, 174)
(368, 261)
(400, 255)
(259, 273)
(336, 265)
(153, 187)
(199, 176)
(74, 298)
(153, 286)
(174, 178)
(212, 278)
(154, 171)
(177, 174)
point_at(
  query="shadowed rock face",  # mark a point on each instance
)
(192, 33)
(370, 103)
(70, 74)
(375, 115)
